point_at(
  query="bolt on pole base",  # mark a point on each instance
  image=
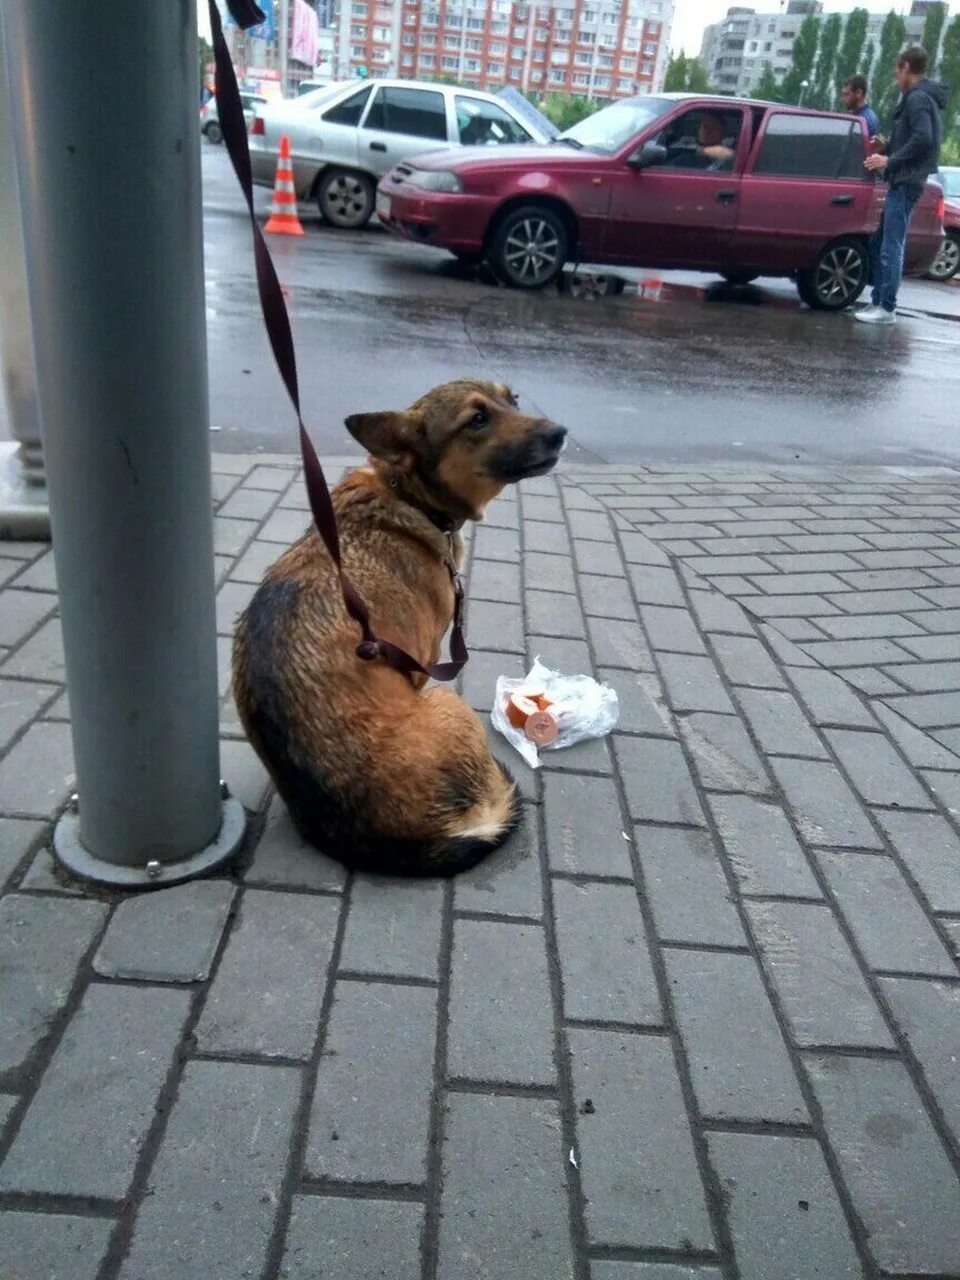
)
(153, 874)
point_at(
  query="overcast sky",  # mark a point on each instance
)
(691, 16)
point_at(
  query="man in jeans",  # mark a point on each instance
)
(912, 154)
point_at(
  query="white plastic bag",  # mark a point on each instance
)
(581, 707)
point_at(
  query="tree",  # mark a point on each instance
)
(565, 110)
(932, 31)
(893, 37)
(686, 75)
(804, 56)
(767, 90)
(869, 53)
(950, 73)
(851, 49)
(204, 55)
(822, 94)
(697, 79)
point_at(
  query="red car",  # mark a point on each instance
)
(672, 181)
(948, 263)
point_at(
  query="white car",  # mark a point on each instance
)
(345, 137)
(210, 116)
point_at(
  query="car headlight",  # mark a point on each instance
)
(431, 180)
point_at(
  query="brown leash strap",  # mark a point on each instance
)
(230, 111)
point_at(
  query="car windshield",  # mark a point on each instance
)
(609, 129)
(951, 183)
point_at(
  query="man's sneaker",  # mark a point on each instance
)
(875, 315)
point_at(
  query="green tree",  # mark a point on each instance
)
(697, 79)
(932, 31)
(675, 80)
(851, 48)
(204, 55)
(822, 94)
(893, 37)
(767, 90)
(565, 110)
(804, 56)
(950, 74)
(866, 67)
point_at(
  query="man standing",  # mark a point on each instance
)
(912, 154)
(854, 96)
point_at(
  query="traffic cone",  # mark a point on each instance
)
(283, 219)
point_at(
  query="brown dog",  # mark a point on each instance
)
(379, 772)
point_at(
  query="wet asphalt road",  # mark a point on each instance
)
(716, 376)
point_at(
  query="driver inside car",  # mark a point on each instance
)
(710, 151)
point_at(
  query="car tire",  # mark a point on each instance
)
(213, 133)
(346, 198)
(529, 247)
(948, 260)
(739, 277)
(591, 284)
(468, 257)
(837, 278)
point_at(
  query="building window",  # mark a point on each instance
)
(581, 78)
(541, 35)
(358, 30)
(499, 28)
(650, 50)
(495, 69)
(409, 39)
(519, 33)
(450, 64)
(497, 48)
(646, 68)
(539, 55)
(428, 60)
(628, 64)
(605, 60)
(558, 77)
(516, 73)
(625, 83)
(476, 24)
(429, 39)
(451, 42)
(583, 59)
(562, 35)
(517, 52)
(358, 10)
(359, 50)
(631, 44)
(429, 17)
(536, 77)
(559, 58)
(475, 46)
(587, 37)
(407, 60)
(602, 82)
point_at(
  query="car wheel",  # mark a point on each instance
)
(948, 261)
(739, 277)
(214, 133)
(838, 277)
(467, 256)
(591, 284)
(345, 198)
(529, 247)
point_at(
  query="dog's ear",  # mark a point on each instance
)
(388, 436)
(504, 392)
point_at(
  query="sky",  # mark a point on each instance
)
(691, 16)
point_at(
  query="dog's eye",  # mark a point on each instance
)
(479, 420)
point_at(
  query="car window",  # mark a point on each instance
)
(350, 110)
(796, 146)
(419, 113)
(950, 180)
(608, 130)
(486, 124)
(705, 139)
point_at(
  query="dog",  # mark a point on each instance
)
(378, 771)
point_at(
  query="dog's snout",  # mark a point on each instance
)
(554, 436)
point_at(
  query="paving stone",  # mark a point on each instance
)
(905, 541)
(584, 825)
(481, 673)
(274, 478)
(876, 769)
(638, 549)
(657, 781)
(232, 599)
(139, 944)
(733, 1077)
(654, 584)
(504, 1208)
(759, 528)
(942, 597)
(787, 652)
(496, 544)
(54, 1246)
(923, 751)
(763, 851)
(853, 653)
(719, 566)
(546, 573)
(590, 756)
(787, 606)
(928, 1014)
(878, 601)
(552, 614)
(393, 927)
(898, 1175)
(370, 1116)
(266, 995)
(927, 677)
(693, 683)
(687, 890)
(888, 580)
(507, 882)
(642, 708)
(605, 965)
(361, 1239)
(22, 611)
(230, 536)
(937, 620)
(255, 561)
(503, 513)
(926, 710)
(671, 629)
(619, 644)
(672, 533)
(42, 941)
(243, 772)
(98, 1094)
(496, 626)
(17, 836)
(949, 738)
(716, 613)
(598, 557)
(284, 859)
(784, 1184)
(890, 927)
(929, 847)
(20, 702)
(527, 779)
(745, 662)
(778, 723)
(224, 1156)
(822, 992)
(946, 787)
(828, 699)
(870, 681)
(37, 774)
(638, 1170)
(650, 1271)
(868, 626)
(594, 526)
(826, 810)
(798, 629)
(545, 506)
(721, 547)
(498, 985)
(821, 561)
(606, 597)
(723, 755)
(540, 536)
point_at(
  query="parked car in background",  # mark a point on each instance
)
(345, 137)
(948, 262)
(779, 192)
(210, 117)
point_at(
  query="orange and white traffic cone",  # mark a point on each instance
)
(283, 219)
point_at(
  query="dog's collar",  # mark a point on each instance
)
(441, 520)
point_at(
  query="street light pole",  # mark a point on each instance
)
(284, 44)
(113, 235)
(804, 86)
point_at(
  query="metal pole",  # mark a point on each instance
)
(284, 44)
(24, 512)
(110, 195)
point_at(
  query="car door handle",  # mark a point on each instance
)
(727, 196)
(842, 200)
(378, 146)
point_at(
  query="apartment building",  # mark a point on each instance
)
(736, 50)
(592, 48)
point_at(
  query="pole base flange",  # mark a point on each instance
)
(151, 875)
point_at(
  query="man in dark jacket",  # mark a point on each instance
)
(912, 154)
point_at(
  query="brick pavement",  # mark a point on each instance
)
(700, 1019)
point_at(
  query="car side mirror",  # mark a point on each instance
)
(650, 153)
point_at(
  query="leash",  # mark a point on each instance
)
(277, 321)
